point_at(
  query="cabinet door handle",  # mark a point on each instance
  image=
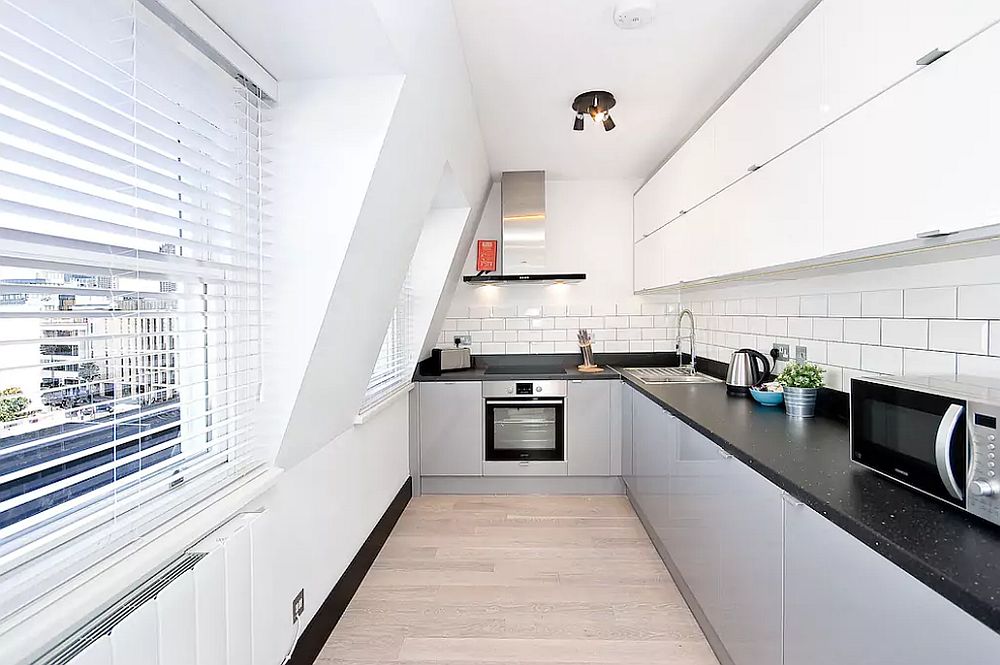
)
(931, 56)
(790, 500)
(576, 381)
(522, 463)
(724, 454)
(934, 233)
(752, 168)
(682, 212)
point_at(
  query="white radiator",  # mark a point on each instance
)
(198, 611)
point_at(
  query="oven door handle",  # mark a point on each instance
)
(524, 402)
(942, 449)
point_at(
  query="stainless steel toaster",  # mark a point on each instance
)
(452, 359)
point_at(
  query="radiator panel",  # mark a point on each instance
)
(178, 622)
(135, 640)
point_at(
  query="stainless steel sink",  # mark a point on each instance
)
(667, 375)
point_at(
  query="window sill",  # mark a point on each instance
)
(371, 411)
(26, 637)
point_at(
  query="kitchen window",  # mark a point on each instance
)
(393, 368)
(131, 232)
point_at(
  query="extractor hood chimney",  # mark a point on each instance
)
(522, 235)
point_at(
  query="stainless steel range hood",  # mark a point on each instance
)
(522, 244)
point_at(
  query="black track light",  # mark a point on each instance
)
(596, 104)
(609, 124)
(578, 123)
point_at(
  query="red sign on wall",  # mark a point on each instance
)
(486, 255)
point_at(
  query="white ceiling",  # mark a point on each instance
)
(528, 59)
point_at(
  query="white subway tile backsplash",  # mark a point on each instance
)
(654, 333)
(566, 347)
(627, 309)
(843, 355)
(590, 322)
(517, 324)
(911, 333)
(475, 347)
(449, 324)
(640, 346)
(767, 306)
(602, 334)
(529, 335)
(542, 347)
(554, 310)
(480, 312)
(504, 335)
(833, 377)
(517, 347)
(959, 336)
(653, 308)
(567, 322)
(932, 303)
(815, 350)
(799, 327)
(777, 326)
(640, 321)
(542, 324)
(981, 301)
(663, 321)
(844, 304)
(602, 310)
(504, 311)
(757, 325)
(988, 366)
(995, 338)
(494, 347)
(616, 347)
(928, 363)
(732, 307)
(663, 346)
(529, 310)
(882, 303)
(554, 335)
(616, 321)
(718, 307)
(482, 335)
(882, 359)
(813, 305)
(831, 330)
(628, 333)
(748, 306)
(578, 310)
(458, 312)
(862, 331)
(493, 324)
(469, 324)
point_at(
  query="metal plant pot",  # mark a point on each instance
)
(800, 402)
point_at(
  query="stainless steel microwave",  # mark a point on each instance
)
(936, 435)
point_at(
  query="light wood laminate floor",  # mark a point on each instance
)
(517, 579)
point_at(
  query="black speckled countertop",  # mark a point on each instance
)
(955, 554)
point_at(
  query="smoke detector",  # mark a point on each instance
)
(632, 14)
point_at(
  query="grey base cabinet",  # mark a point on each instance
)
(588, 427)
(451, 428)
(844, 603)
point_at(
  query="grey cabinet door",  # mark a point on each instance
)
(588, 428)
(628, 398)
(451, 428)
(747, 614)
(845, 603)
(653, 436)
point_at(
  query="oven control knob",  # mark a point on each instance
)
(538, 389)
(983, 488)
(510, 391)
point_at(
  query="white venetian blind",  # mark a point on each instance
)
(393, 368)
(130, 259)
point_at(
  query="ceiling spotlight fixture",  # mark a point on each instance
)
(597, 104)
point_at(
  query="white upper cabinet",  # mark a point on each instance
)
(648, 204)
(868, 46)
(919, 157)
(647, 262)
(776, 107)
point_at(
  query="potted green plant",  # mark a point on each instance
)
(800, 383)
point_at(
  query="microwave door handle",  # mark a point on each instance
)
(942, 449)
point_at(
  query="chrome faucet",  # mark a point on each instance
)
(690, 338)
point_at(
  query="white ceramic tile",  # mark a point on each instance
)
(732, 340)
(813, 305)
(831, 330)
(852, 374)
(911, 333)
(494, 347)
(882, 359)
(933, 303)
(602, 334)
(959, 336)
(598, 347)
(981, 301)
(627, 309)
(589, 322)
(995, 338)
(504, 311)
(800, 327)
(732, 307)
(554, 310)
(815, 350)
(757, 324)
(673, 308)
(529, 335)
(843, 355)
(767, 306)
(476, 348)
(777, 325)
(566, 347)
(616, 322)
(504, 335)
(578, 310)
(917, 362)
(663, 346)
(654, 333)
(725, 323)
(529, 310)
(988, 366)
(493, 324)
(482, 335)
(602, 310)
(748, 306)
(640, 346)
(844, 304)
(718, 307)
(480, 311)
(554, 335)
(458, 312)
(567, 322)
(469, 324)
(449, 324)
(882, 303)
(833, 377)
(542, 324)
(653, 308)
(787, 306)
(663, 321)
(862, 331)
(615, 347)
(640, 321)
(542, 347)
(740, 324)
(628, 333)
(516, 324)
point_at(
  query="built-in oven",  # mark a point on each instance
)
(525, 420)
(935, 435)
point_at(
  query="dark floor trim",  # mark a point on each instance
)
(315, 635)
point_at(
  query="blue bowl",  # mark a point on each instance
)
(766, 398)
